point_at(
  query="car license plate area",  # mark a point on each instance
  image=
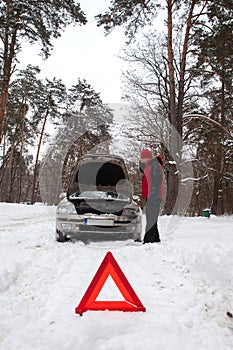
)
(98, 222)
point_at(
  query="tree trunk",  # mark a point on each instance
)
(172, 99)
(10, 195)
(34, 191)
(172, 179)
(9, 172)
(217, 182)
(182, 70)
(220, 159)
(176, 107)
(9, 41)
(20, 166)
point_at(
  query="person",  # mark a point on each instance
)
(152, 192)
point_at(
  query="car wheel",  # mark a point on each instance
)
(138, 240)
(61, 237)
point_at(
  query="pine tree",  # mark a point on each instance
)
(215, 69)
(36, 22)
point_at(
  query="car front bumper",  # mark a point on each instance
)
(98, 228)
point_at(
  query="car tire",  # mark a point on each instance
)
(61, 237)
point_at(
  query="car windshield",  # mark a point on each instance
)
(99, 195)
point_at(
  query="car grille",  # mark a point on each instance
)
(89, 228)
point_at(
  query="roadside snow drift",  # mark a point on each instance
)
(185, 283)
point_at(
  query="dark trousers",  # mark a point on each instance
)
(152, 213)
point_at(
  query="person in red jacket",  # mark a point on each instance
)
(152, 191)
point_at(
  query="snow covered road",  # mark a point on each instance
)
(185, 283)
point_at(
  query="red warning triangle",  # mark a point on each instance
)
(109, 266)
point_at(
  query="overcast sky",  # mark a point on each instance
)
(84, 52)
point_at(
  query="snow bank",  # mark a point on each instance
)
(185, 283)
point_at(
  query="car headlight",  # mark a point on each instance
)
(66, 208)
(130, 212)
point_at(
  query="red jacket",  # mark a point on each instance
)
(152, 179)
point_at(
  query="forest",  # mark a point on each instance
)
(178, 82)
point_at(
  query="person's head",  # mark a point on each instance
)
(146, 155)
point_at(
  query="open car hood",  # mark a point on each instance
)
(101, 173)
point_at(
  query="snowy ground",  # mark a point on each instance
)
(185, 283)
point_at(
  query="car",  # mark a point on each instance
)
(99, 204)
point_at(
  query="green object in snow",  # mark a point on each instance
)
(206, 213)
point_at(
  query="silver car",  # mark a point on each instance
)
(99, 203)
